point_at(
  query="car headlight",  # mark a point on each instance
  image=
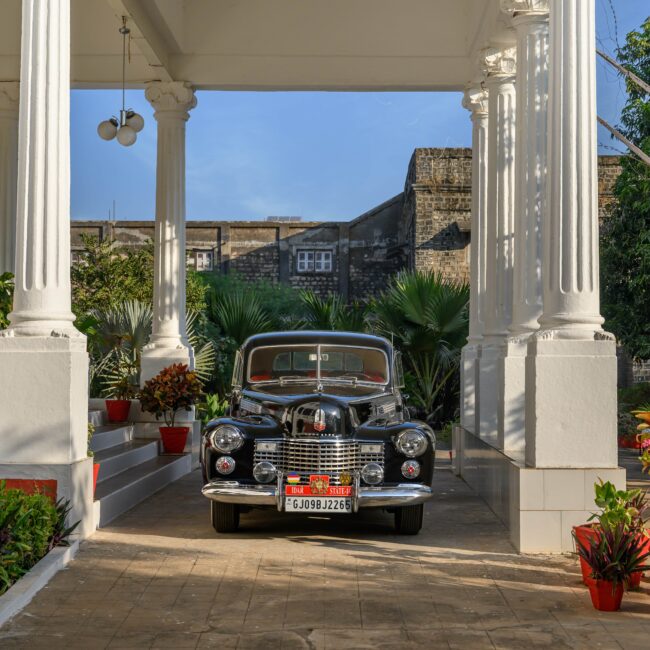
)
(411, 443)
(226, 438)
(264, 472)
(372, 473)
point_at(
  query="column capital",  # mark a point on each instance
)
(516, 8)
(475, 100)
(499, 62)
(171, 97)
(9, 96)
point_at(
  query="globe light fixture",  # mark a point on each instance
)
(126, 128)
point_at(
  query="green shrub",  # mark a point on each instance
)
(30, 526)
(6, 298)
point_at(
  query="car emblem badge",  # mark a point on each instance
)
(319, 484)
(345, 478)
(319, 421)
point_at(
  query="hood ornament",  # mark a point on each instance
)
(319, 420)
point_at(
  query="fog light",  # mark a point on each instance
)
(372, 473)
(411, 469)
(225, 465)
(264, 472)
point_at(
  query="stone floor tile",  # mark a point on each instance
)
(217, 640)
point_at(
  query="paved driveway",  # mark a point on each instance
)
(160, 577)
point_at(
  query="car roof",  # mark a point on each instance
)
(318, 336)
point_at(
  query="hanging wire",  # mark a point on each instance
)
(125, 31)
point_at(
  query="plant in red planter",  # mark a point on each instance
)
(613, 558)
(172, 389)
(121, 384)
(91, 454)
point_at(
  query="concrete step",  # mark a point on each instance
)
(115, 460)
(120, 493)
(97, 417)
(110, 436)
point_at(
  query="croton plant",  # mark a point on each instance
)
(643, 437)
(173, 389)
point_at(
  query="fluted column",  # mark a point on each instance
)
(500, 67)
(530, 19)
(42, 301)
(571, 362)
(476, 101)
(570, 235)
(172, 102)
(9, 94)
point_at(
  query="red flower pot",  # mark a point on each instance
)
(635, 579)
(174, 439)
(584, 534)
(118, 409)
(605, 597)
(95, 475)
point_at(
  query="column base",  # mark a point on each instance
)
(512, 395)
(539, 506)
(469, 383)
(44, 404)
(488, 388)
(155, 359)
(570, 402)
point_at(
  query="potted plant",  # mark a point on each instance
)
(91, 454)
(618, 507)
(613, 558)
(172, 389)
(120, 379)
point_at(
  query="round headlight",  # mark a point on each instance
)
(411, 443)
(225, 465)
(226, 438)
(264, 472)
(372, 473)
(411, 469)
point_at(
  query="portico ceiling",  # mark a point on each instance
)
(272, 44)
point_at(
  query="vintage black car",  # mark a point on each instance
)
(317, 423)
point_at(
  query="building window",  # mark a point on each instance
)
(314, 261)
(200, 260)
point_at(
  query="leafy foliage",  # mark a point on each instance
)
(172, 389)
(427, 318)
(108, 275)
(614, 555)
(212, 407)
(6, 298)
(619, 507)
(332, 313)
(30, 526)
(625, 241)
(238, 315)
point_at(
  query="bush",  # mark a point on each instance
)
(6, 298)
(30, 526)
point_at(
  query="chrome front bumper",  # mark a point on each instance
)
(404, 494)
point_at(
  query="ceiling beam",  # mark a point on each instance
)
(147, 38)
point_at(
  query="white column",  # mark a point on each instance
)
(500, 66)
(530, 19)
(43, 360)
(8, 173)
(571, 364)
(168, 344)
(476, 101)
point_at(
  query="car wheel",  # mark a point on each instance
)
(408, 519)
(225, 517)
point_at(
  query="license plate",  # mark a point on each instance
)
(317, 504)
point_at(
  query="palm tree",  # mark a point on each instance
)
(332, 313)
(238, 315)
(427, 318)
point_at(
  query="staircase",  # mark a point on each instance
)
(131, 469)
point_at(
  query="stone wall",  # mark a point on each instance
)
(425, 227)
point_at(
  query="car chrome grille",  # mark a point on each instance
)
(307, 456)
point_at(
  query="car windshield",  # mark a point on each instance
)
(285, 364)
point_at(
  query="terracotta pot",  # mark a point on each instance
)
(95, 475)
(584, 535)
(635, 580)
(48, 487)
(605, 597)
(174, 439)
(118, 409)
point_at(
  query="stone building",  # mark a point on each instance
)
(427, 226)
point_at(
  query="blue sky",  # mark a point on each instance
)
(328, 156)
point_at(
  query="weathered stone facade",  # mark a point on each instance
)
(425, 227)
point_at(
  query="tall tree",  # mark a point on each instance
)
(625, 239)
